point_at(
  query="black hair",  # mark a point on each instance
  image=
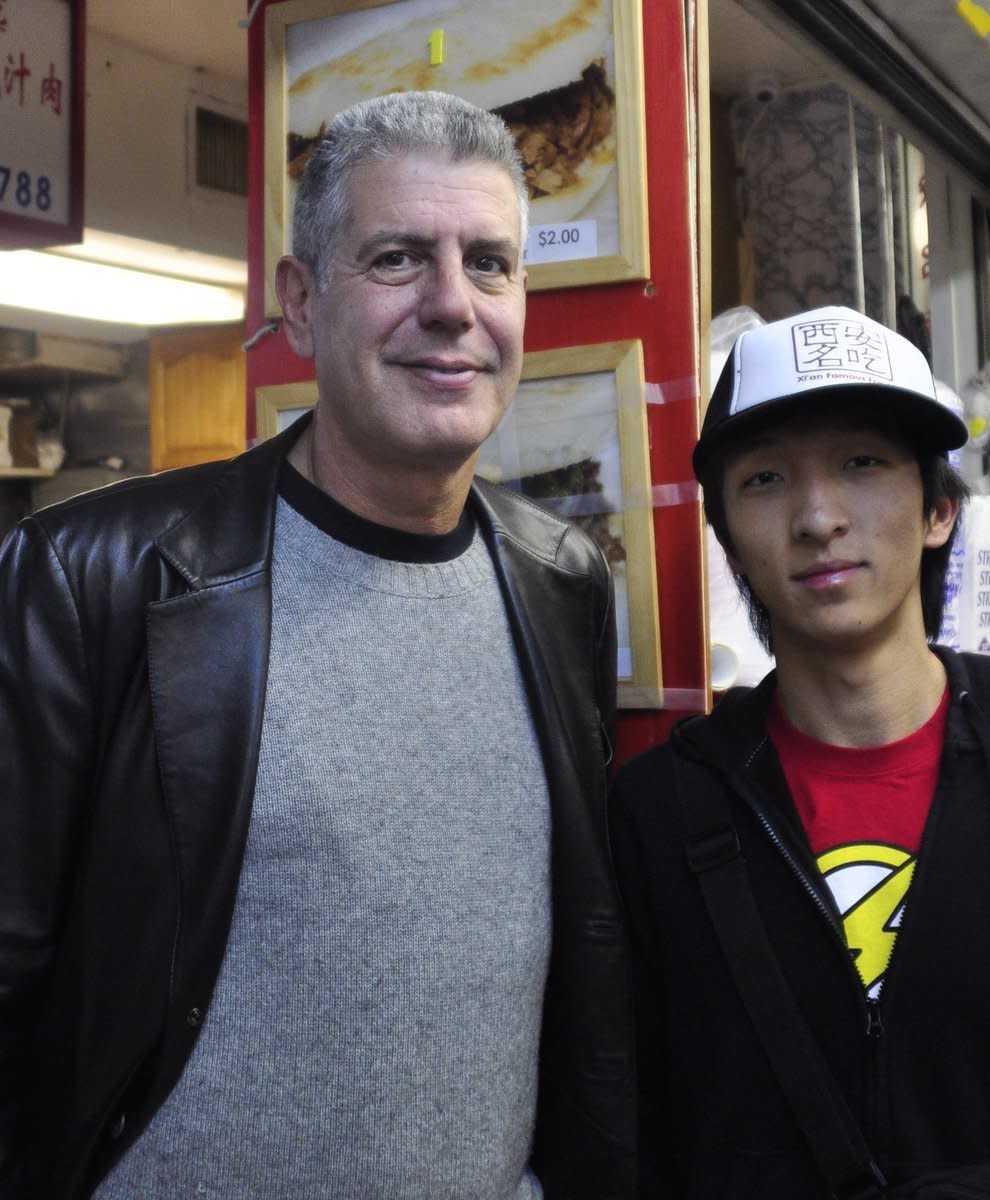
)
(939, 481)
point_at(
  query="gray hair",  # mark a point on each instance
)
(389, 127)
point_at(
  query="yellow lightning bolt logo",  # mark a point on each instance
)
(869, 881)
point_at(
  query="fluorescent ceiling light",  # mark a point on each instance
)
(56, 283)
(138, 253)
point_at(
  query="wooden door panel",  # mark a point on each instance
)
(197, 395)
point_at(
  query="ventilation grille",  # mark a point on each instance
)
(221, 152)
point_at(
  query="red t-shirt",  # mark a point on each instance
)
(864, 810)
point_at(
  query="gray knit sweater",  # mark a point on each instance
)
(375, 1027)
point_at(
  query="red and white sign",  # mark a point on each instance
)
(40, 122)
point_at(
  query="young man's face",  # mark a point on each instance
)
(828, 527)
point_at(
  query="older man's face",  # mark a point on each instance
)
(418, 340)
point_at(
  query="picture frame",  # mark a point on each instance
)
(575, 441)
(276, 406)
(592, 397)
(584, 128)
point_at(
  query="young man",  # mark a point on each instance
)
(304, 889)
(854, 784)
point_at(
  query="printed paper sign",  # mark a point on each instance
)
(555, 243)
(35, 147)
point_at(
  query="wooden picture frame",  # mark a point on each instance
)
(590, 225)
(575, 441)
(599, 391)
(278, 405)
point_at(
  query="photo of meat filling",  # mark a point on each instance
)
(559, 131)
(547, 69)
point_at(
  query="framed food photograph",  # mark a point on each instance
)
(277, 406)
(565, 75)
(575, 441)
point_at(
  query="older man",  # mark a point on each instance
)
(296, 746)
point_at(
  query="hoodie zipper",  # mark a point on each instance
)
(796, 868)
(874, 1044)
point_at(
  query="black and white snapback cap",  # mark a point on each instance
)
(816, 356)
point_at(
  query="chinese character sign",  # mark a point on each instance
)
(35, 129)
(841, 347)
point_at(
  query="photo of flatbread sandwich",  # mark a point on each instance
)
(575, 441)
(559, 445)
(544, 68)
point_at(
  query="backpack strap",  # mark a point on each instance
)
(978, 677)
(715, 856)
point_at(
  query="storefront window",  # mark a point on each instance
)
(836, 201)
(840, 198)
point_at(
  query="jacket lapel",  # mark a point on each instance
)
(552, 613)
(208, 664)
(207, 658)
(528, 593)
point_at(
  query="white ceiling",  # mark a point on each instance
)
(198, 33)
(741, 49)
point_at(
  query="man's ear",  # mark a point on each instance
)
(296, 290)
(941, 521)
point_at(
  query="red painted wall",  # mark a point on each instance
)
(662, 312)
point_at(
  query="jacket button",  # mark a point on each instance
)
(117, 1126)
(194, 1018)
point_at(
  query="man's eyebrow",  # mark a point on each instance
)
(506, 247)
(394, 237)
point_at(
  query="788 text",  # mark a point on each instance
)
(25, 190)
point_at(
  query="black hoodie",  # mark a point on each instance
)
(913, 1066)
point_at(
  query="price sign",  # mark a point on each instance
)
(554, 243)
(40, 122)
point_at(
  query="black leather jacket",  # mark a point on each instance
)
(134, 630)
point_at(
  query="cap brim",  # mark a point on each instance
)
(925, 422)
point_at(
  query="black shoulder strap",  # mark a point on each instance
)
(978, 672)
(715, 856)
